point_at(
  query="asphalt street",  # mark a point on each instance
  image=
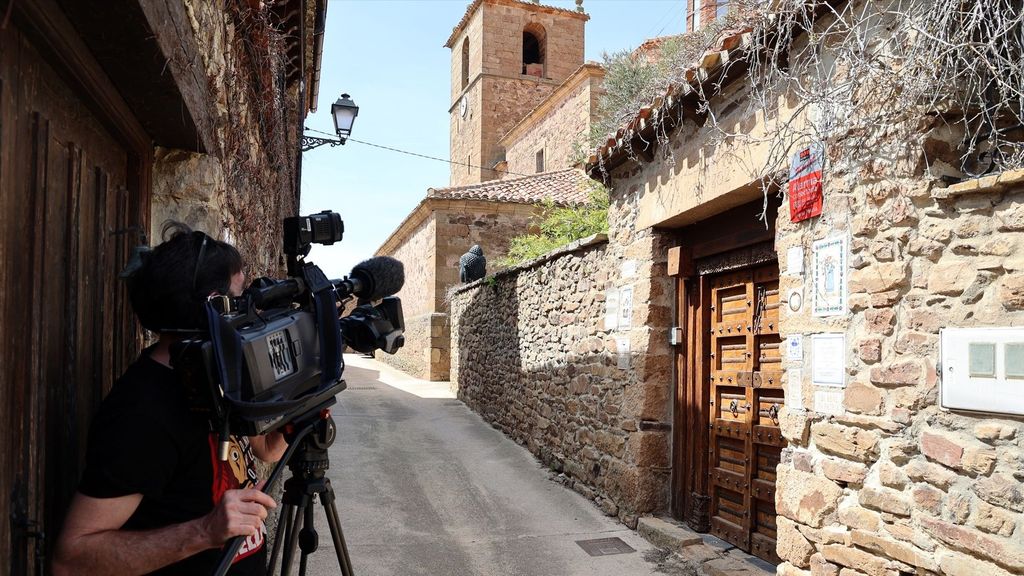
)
(425, 486)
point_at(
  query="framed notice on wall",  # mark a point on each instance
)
(830, 276)
(805, 191)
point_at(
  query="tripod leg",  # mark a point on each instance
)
(307, 538)
(284, 527)
(293, 537)
(331, 510)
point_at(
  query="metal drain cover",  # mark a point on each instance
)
(605, 546)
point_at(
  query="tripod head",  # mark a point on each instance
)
(310, 458)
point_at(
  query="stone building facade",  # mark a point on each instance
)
(443, 227)
(810, 432)
(873, 475)
(110, 125)
(545, 139)
(508, 56)
(521, 96)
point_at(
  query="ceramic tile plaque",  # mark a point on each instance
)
(828, 286)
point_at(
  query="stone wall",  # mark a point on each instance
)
(887, 483)
(894, 483)
(506, 101)
(463, 223)
(555, 130)
(241, 189)
(503, 39)
(416, 251)
(531, 353)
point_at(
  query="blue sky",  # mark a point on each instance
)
(389, 55)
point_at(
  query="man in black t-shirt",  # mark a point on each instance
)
(154, 497)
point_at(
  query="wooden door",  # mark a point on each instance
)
(746, 394)
(65, 327)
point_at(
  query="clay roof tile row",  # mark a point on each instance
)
(725, 46)
(565, 187)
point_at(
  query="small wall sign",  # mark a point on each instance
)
(805, 196)
(830, 276)
(828, 360)
(626, 308)
(611, 309)
(795, 388)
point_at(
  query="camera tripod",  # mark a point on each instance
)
(308, 461)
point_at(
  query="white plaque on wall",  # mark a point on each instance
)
(828, 402)
(795, 261)
(611, 309)
(625, 308)
(795, 388)
(828, 360)
(795, 347)
(828, 286)
(622, 348)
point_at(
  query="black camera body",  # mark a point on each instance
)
(273, 355)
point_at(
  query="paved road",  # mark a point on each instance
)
(426, 487)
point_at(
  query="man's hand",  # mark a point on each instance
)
(239, 513)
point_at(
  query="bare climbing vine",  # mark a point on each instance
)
(859, 75)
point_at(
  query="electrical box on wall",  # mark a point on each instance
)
(982, 369)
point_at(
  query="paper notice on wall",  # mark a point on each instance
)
(828, 360)
(828, 402)
(626, 308)
(611, 309)
(622, 350)
(795, 261)
(795, 388)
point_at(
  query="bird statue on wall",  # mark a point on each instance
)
(472, 265)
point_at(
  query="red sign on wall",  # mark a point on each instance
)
(805, 184)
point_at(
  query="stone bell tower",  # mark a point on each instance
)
(507, 57)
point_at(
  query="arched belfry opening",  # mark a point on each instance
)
(534, 38)
(465, 63)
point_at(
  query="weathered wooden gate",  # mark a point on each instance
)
(67, 186)
(729, 378)
(746, 396)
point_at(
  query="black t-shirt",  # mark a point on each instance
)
(145, 440)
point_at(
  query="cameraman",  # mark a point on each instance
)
(154, 497)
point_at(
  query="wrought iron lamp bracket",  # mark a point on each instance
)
(310, 142)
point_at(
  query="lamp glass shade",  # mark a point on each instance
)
(344, 112)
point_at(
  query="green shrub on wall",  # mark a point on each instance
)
(560, 225)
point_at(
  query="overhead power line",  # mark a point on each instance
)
(418, 155)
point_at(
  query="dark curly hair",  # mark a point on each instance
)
(170, 287)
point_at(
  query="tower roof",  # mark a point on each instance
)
(518, 3)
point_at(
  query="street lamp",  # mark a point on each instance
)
(344, 111)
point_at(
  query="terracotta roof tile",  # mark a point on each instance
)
(563, 187)
(727, 43)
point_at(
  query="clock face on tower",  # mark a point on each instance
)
(463, 106)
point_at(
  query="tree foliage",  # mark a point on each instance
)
(559, 225)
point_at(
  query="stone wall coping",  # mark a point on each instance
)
(574, 246)
(992, 183)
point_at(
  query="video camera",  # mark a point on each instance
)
(274, 355)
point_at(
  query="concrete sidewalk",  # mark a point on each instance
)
(425, 486)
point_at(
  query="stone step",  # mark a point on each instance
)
(666, 533)
(704, 554)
